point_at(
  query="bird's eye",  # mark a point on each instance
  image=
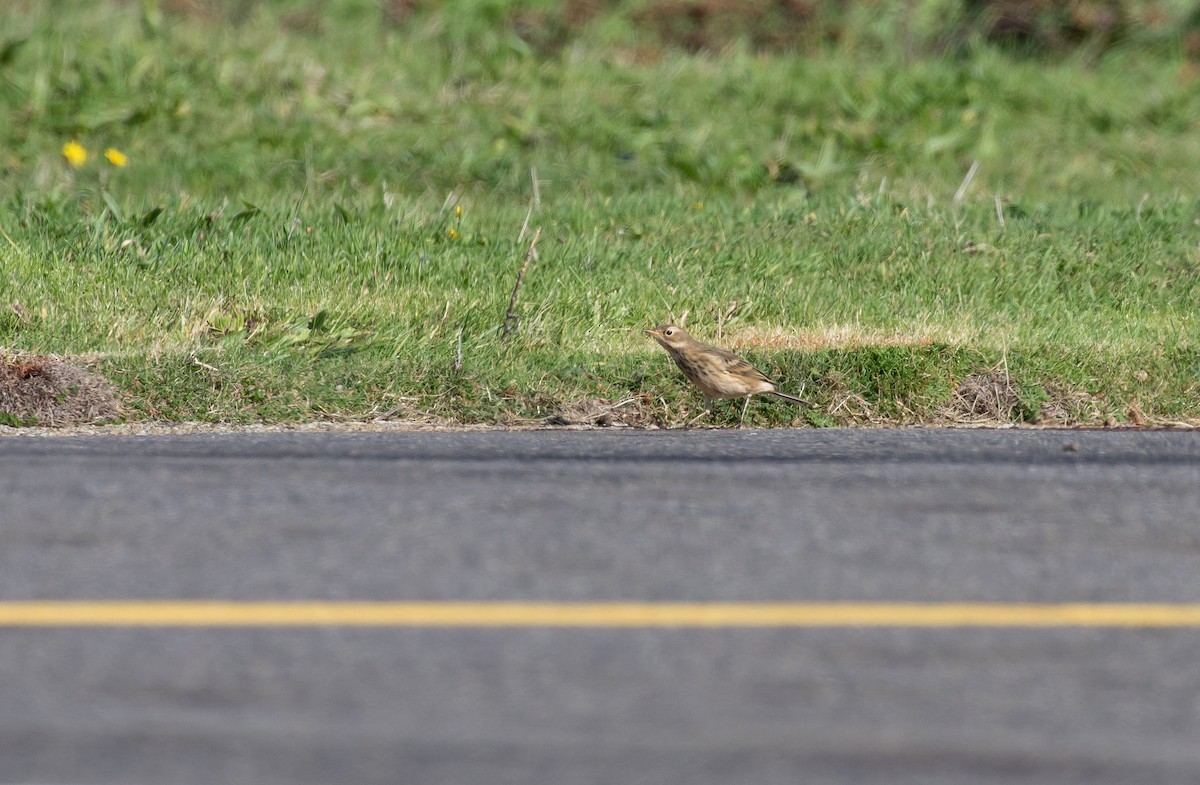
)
(669, 332)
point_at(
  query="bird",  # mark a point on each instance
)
(717, 372)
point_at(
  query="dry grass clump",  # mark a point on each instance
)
(50, 390)
(1067, 407)
(982, 398)
(628, 413)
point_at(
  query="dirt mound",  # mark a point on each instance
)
(49, 390)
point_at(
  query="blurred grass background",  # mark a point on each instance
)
(323, 204)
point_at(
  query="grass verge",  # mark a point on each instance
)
(327, 222)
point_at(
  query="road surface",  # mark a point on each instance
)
(810, 521)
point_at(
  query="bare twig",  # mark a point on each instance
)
(1000, 212)
(726, 316)
(383, 417)
(15, 247)
(458, 360)
(961, 193)
(398, 407)
(525, 224)
(197, 362)
(511, 318)
(433, 333)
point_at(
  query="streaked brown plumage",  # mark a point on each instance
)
(717, 372)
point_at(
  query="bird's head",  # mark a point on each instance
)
(669, 335)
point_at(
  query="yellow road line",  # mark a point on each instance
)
(591, 614)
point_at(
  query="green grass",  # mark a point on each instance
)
(284, 245)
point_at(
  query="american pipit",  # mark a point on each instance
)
(717, 372)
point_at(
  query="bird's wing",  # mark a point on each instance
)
(734, 364)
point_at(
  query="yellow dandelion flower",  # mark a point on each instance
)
(458, 211)
(116, 157)
(75, 154)
(452, 233)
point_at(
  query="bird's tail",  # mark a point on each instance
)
(792, 398)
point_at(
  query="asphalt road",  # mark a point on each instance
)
(814, 516)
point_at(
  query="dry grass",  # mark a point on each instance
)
(627, 413)
(53, 391)
(835, 336)
(984, 398)
(1068, 407)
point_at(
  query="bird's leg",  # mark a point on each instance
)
(745, 406)
(707, 411)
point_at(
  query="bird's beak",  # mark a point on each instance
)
(652, 331)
